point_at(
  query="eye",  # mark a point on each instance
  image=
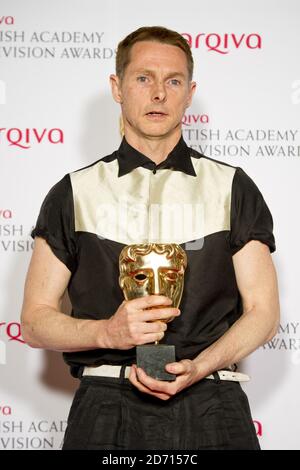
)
(142, 79)
(174, 81)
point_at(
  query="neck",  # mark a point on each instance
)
(157, 149)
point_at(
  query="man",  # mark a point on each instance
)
(230, 301)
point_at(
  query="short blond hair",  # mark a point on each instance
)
(151, 33)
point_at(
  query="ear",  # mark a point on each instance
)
(115, 84)
(192, 90)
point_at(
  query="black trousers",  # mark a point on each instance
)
(109, 413)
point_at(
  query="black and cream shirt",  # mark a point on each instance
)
(210, 208)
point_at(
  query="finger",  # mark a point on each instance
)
(176, 368)
(134, 380)
(179, 368)
(150, 301)
(159, 314)
(153, 327)
(151, 337)
(157, 386)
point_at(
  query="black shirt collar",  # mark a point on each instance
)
(179, 159)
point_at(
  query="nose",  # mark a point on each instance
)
(156, 283)
(159, 92)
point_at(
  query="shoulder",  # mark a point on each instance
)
(239, 177)
(209, 161)
(96, 164)
(216, 173)
(90, 173)
(60, 193)
(61, 188)
(202, 162)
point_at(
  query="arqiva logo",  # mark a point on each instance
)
(225, 42)
(25, 138)
(5, 214)
(258, 428)
(189, 119)
(12, 331)
(7, 20)
(5, 410)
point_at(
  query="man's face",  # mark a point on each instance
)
(155, 90)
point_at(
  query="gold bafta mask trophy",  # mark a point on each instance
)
(149, 269)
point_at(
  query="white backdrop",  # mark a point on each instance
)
(57, 115)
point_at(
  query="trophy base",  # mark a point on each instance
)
(152, 358)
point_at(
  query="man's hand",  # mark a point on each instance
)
(44, 325)
(257, 283)
(139, 321)
(186, 371)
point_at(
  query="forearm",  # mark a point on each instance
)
(50, 329)
(252, 330)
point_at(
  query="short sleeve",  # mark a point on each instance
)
(55, 222)
(250, 216)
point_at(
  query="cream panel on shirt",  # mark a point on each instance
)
(139, 207)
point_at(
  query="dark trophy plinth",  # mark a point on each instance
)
(152, 358)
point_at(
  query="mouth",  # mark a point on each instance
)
(156, 114)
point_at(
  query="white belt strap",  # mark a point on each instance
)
(231, 376)
(106, 371)
(114, 371)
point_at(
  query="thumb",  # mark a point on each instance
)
(175, 368)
